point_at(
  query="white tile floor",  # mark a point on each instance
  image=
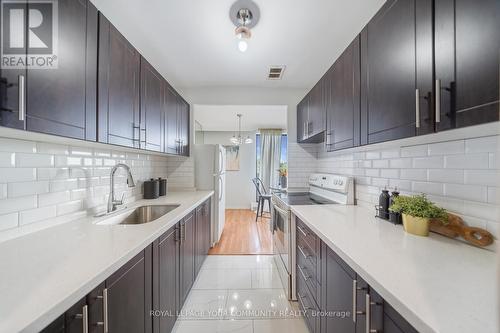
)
(239, 294)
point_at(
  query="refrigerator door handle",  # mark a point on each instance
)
(221, 189)
(221, 157)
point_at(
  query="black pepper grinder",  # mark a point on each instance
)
(383, 202)
(394, 217)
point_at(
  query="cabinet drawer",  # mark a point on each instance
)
(308, 306)
(306, 236)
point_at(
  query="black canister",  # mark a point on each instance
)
(394, 217)
(383, 202)
(163, 186)
(151, 189)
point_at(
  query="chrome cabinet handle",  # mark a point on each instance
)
(369, 303)
(438, 101)
(302, 303)
(302, 231)
(303, 274)
(85, 318)
(105, 308)
(355, 310)
(417, 108)
(22, 98)
(301, 250)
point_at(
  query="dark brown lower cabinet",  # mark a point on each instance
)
(345, 303)
(166, 280)
(129, 292)
(146, 294)
(202, 234)
(187, 255)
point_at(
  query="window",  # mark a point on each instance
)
(283, 157)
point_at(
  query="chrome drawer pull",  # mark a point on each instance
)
(85, 318)
(302, 231)
(301, 250)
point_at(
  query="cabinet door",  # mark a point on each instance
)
(391, 68)
(187, 255)
(62, 101)
(183, 109)
(119, 69)
(317, 111)
(171, 121)
(72, 321)
(165, 279)
(394, 322)
(202, 234)
(337, 293)
(10, 79)
(302, 110)
(129, 292)
(466, 61)
(342, 96)
(151, 108)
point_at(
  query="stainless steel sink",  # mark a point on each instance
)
(145, 214)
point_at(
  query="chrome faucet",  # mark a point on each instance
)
(112, 202)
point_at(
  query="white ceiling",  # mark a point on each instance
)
(223, 117)
(192, 42)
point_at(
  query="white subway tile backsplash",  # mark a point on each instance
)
(414, 174)
(413, 151)
(436, 162)
(446, 176)
(466, 192)
(7, 160)
(19, 146)
(51, 148)
(27, 188)
(378, 163)
(53, 198)
(469, 161)
(447, 148)
(24, 160)
(11, 205)
(482, 177)
(400, 163)
(428, 188)
(458, 175)
(51, 183)
(9, 221)
(482, 145)
(9, 175)
(38, 214)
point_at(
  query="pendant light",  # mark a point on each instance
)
(238, 139)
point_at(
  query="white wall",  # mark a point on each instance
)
(240, 191)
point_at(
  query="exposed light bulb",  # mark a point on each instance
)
(248, 140)
(242, 45)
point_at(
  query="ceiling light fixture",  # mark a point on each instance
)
(244, 14)
(238, 139)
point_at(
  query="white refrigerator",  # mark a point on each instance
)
(210, 174)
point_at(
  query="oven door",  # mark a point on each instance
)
(282, 246)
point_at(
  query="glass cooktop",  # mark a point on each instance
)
(302, 198)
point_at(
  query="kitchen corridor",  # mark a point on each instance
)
(239, 294)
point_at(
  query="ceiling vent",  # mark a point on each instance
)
(275, 72)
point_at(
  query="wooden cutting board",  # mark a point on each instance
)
(457, 228)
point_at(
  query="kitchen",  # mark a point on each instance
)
(105, 225)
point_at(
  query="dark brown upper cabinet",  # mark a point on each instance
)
(466, 62)
(396, 71)
(177, 121)
(342, 89)
(10, 81)
(311, 114)
(118, 93)
(59, 100)
(151, 122)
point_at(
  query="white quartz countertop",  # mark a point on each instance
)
(44, 273)
(437, 284)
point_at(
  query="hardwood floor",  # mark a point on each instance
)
(242, 235)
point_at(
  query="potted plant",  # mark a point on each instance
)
(417, 212)
(283, 174)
